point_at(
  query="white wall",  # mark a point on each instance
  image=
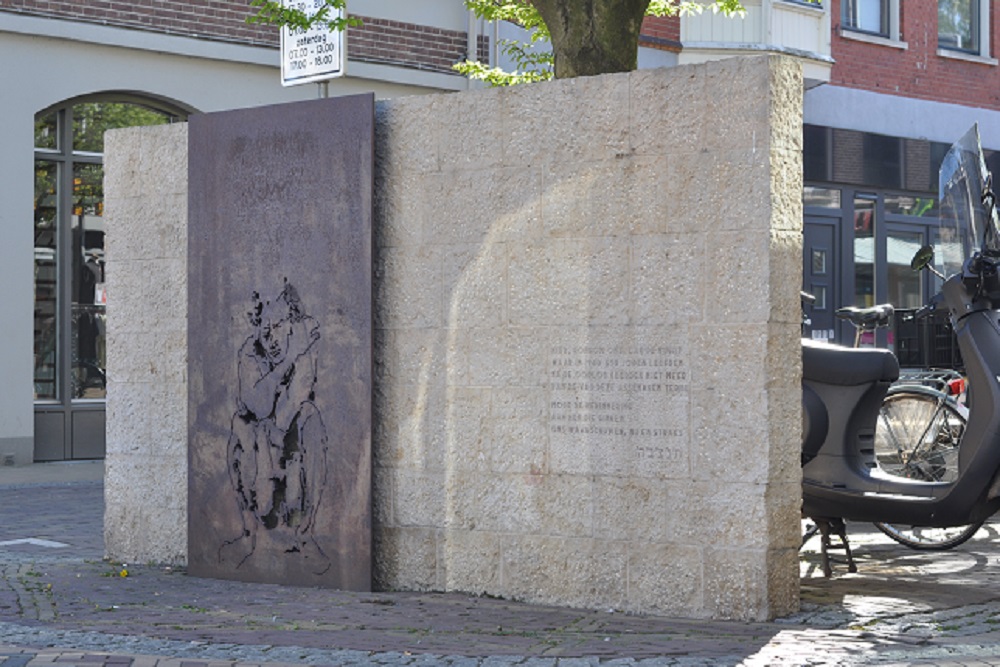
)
(865, 111)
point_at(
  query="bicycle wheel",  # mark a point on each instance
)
(918, 433)
(929, 539)
(917, 437)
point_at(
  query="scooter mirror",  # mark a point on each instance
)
(923, 258)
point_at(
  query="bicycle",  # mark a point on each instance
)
(918, 433)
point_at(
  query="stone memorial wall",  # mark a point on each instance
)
(587, 359)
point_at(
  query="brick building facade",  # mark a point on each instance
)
(379, 40)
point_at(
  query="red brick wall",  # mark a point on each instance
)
(661, 33)
(917, 71)
(379, 40)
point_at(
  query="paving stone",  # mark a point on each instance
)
(66, 606)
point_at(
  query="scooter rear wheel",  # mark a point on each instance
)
(929, 539)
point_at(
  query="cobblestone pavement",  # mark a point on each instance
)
(62, 604)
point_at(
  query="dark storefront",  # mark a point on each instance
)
(870, 201)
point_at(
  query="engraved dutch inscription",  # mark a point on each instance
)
(623, 407)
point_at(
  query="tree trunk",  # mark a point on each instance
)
(593, 36)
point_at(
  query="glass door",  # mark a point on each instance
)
(69, 315)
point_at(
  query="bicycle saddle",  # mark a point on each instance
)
(867, 318)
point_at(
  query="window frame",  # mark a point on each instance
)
(982, 30)
(891, 36)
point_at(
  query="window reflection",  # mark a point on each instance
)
(46, 137)
(903, 282)
(822, 197)
(866, 15)
(922, 207)
(88, 317)
(864, 252)
(958, 25)
(70, 331)
(46, 267)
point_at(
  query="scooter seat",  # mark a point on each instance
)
(847, 366)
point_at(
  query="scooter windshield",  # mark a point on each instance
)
(965, 226)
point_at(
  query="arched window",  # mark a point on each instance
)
(69, 317)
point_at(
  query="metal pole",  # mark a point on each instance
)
(324, 89)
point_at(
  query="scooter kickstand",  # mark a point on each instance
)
(838, 528)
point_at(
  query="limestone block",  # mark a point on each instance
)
(740, 588)
(401, 201)
(738, 514)
(669, 283)
(155, 228)
(739, 289)
(418, 499)
(482, 206)
(499, 357)
(729, 404)
(144, 305)
(626, 507)
(786, 177)
(141, 356)
(474, 282)
(678, 131)
(471, 132)
(783, 582)
(406, 133)
(784, 512)
(409, 428)
(535, 127)
(126, 430)
(145, 502)
(785, 294)
(407, 285)
(163, 159)
(569, 281)
(666, 579)
(523, 504)
(467, 421)
(472, 561)
(744, 85)
(721, 190)
(518, 432)
(566, 571)
(120, 173)
(619, 196)
(785, 93)
(148, 415)
(405, 558)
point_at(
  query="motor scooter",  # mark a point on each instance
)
(843, 388)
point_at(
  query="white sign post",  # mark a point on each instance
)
(312, 55)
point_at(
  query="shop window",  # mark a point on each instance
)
(883, 161)
(821, 197)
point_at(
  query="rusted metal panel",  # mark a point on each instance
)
(280, 343)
